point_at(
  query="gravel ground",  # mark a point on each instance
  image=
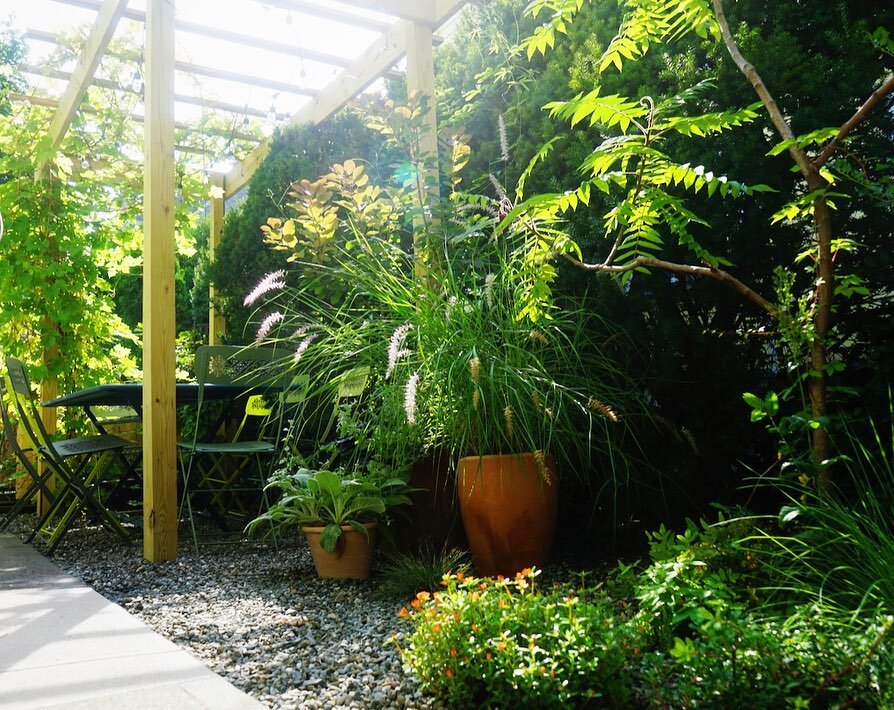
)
(260, 618)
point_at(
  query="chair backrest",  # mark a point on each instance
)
(257, 369)
(350, 385)
(22, 400)
(9, 428)
(232, 364)
(113, 414)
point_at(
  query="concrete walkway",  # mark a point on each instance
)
(64, 645)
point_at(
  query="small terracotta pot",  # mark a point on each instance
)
(508, 504)
(352, 557)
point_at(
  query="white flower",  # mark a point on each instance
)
(504, 143)
(396, 347)
(271, 282)
(410, 398)
(489, 290)
(267, 325)
(304, 345)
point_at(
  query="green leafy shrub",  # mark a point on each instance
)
(503, 643)
(804, 660)
(688, 630)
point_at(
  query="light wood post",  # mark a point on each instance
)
(159, 325)
(217, 324)
(421, 79)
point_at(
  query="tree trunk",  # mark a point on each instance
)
(822, 319)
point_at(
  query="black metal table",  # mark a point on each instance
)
(130, 394)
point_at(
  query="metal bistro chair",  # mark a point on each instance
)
(81, 465)
(37, 482)
(126, 493)
(216, 475)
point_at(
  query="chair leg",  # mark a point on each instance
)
(186, 498)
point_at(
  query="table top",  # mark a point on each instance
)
(131, 394)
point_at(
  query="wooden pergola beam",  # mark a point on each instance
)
(379, 56)
(180, 98)
(139, 118)
(109, 13)
(159, 326)
(412, 10)
(326, 13)
(211, 72)
(228, 36)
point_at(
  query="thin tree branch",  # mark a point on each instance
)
(861, 113)
(691, 269)
(797, 153)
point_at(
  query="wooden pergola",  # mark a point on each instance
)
(406, 30)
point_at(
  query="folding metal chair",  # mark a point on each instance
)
(121, 418)
(37, 482)
(217, 475)
(81, 465)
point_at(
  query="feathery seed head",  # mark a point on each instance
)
(395, 347)
(475, 369)
(267, 325)
(410, 398)
(602, 408)
(271, 282)
(509, 420)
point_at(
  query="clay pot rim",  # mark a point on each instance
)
(523, 454)
(345, 528)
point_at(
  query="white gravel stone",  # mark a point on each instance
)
(260, 618)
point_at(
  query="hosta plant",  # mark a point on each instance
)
(329, 500)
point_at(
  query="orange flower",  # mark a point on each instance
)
(487, 655)
(526, 572)
(452, 651)
(501, 645)
(522, 583)
(402, 613)
(460, 576)
(423, 596)
(415, 603)
(482, 586)
(436, 627)
(449, 673)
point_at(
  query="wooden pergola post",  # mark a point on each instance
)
(421, 79)
(217, 324)
(159, 325)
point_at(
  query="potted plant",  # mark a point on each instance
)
(338, 515)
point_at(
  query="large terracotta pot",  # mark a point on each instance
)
(352, 557)
(508, 505)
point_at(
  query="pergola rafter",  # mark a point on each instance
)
(410, 35)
